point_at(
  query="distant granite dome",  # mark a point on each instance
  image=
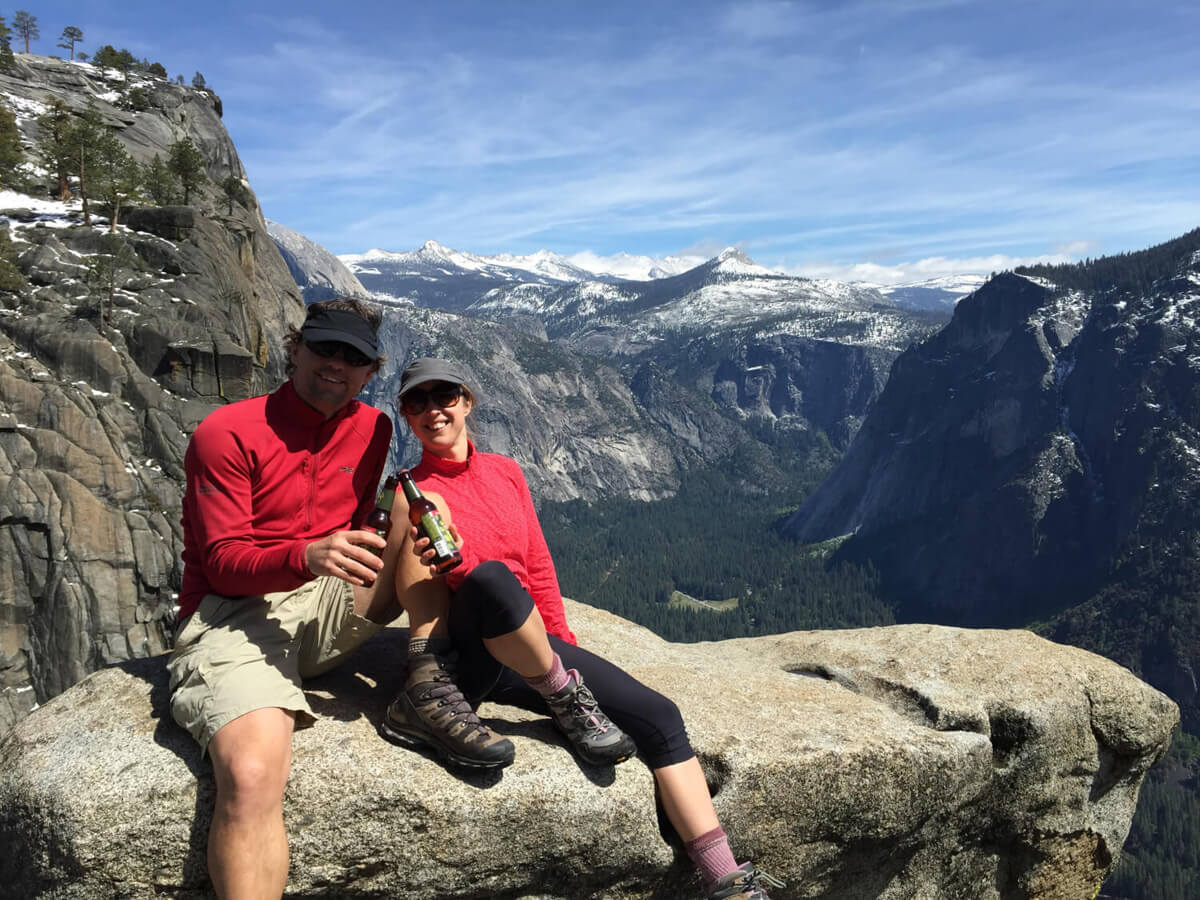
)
(318, 273)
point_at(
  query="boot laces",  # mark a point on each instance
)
(755, 879)
(448, 696)
(585, 709)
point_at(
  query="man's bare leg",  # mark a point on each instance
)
(247, 843)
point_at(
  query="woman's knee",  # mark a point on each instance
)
(499, 602)
(663, 738)
(664, 713)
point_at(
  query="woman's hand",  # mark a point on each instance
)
(422, 547)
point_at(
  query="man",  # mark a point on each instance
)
(280, 579)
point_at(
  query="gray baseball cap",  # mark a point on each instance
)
(426, 369)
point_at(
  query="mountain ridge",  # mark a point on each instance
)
(1018, 463)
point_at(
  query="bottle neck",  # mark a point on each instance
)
(387, 497)
(411, 491)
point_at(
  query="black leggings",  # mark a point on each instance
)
(490, 603)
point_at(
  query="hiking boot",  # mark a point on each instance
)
(432, 712)
(592, 734)
(744, 882)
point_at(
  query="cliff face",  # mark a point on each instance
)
(892, 763)
(96, 405)
(1039, 459)
(579, 427)
(319, 274)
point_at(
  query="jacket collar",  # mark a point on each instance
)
(443, 466)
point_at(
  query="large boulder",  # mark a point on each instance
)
(905, 762)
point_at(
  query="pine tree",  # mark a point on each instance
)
(6, 55)
(109, 58)
(26, 26)
(198, 81)
(11, 278)
(187, 162)
(70, 36)
(10, 149)
(106, 56)
(116, 177)
(159, 182)
(54, 145)
(136, 99)
(85, 137)
(104, 270)
(235, 191)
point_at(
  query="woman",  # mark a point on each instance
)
(504, 619)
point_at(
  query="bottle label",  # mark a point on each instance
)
(439, 535)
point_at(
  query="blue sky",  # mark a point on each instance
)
(890, 140)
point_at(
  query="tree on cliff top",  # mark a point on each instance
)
(70, 36)
(108, 57)
(26, 26)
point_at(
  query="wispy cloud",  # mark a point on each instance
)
(898, 136)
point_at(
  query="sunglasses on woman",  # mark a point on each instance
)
(329, 349)
(416, 402)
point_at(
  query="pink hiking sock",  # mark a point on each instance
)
(553, 681)
(711, 856)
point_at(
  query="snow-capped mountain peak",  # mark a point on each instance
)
(732, 261)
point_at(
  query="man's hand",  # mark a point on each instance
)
(345, 555)
(422, 547)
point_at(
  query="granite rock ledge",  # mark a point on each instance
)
(911, 761)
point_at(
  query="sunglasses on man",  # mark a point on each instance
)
(329, 349)
(443, 397)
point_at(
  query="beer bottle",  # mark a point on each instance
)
(425, 516)
(380, 518)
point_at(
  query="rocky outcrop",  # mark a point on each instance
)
(319, 274)
(102, 379)
(902, 762)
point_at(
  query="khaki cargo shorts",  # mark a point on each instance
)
(238, 654)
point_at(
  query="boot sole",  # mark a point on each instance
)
(603, 761)
(419, 740)
(596, 760)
